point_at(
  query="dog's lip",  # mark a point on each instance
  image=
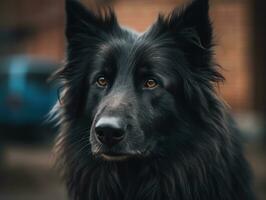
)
(114, 156)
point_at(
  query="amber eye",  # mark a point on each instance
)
(102, 81)
(150, 84)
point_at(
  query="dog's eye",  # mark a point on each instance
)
(102, 81)
(150, 84)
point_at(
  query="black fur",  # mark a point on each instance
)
(181, 142)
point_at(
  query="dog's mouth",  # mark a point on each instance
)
(114, 156)
(118, 155)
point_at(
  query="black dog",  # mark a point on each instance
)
(138, 113)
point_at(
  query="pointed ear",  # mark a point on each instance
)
(190, 23)
(80, 20)
(191, 29)
(194, 16)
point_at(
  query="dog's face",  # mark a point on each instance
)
(131, 84)
(133, 91)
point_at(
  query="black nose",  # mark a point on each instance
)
(109, 131)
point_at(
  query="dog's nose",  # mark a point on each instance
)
(109, 130)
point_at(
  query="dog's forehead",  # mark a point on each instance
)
(135, 50)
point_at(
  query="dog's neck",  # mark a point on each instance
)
(155, 179)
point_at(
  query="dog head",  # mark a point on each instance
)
(138, 94)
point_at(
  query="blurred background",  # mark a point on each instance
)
(32, 45)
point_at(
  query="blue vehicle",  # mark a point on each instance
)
(25, 95)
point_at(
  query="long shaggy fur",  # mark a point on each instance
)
(201, 160)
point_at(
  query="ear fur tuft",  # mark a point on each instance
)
(80, 20)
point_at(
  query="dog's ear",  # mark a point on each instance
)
(190, 26)
(192, 21)
(194, 17)
(191, 29)
(81, 21)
